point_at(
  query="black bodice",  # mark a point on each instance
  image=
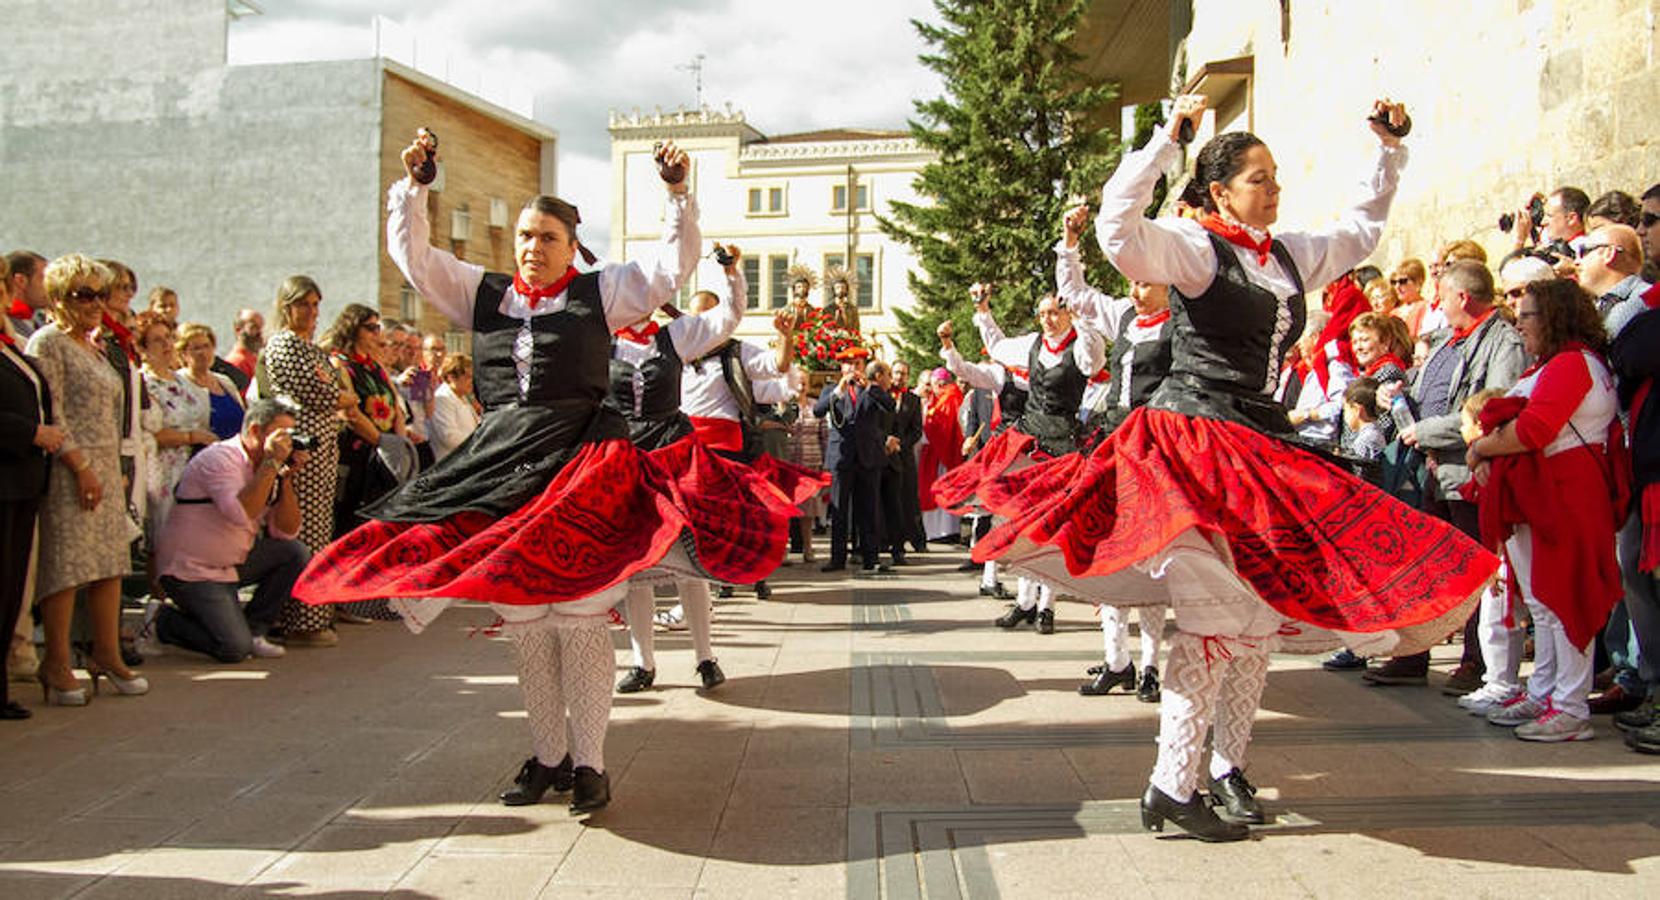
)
(1051, 413)
(1227, 345)
(654, 417)
(1149, 365)
(570, 354)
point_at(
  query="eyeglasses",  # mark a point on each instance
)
(83, 294)
(370, 326)
(1515, 293)
(1397, 282)
(1649, 219)
(1586, 249)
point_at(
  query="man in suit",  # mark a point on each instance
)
(901, 511)
(836, 405)
(873, 444)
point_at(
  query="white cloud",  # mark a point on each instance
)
(788, 66)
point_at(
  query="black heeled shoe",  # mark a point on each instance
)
(534, 780)
(1046, 621)
(1237, 798)
(997, 591)
(710, 672)
(1149, 691)
(637, 680)
(592, 790)
(1016, 616)
(1106, 679)
(763, 591)
(1194, 817)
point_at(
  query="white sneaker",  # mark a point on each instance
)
(264, 649)
(1487, 698)
(1517, 711)
(671, 619)
(1555, 726)
(148, 645)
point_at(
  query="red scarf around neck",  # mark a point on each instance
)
(1065, 342)
(535, 295)
(1384, 360)
(21, 310)
(1460, 334)
(123, 337)
(1235, 233)
(638, 335)
(1154, 320)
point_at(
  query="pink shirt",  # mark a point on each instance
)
(207, 541)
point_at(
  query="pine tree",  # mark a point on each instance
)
(1019, 138)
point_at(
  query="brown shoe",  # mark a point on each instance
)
(1463, 680)
(1398, 671)
(311, 640)
(1614, 700)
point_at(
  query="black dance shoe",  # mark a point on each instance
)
(1046, 621)
(637, 680)
(725, 592)
(763, 591)
(971, 566)
(710, 672)
(1194, 817)
(14, 711)
(534, 779)
(1016, 616)
(997, 590)
(1149, 692)
(1237, 797)
(1106, 679)
(592, 790)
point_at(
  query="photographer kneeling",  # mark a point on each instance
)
(234, 524)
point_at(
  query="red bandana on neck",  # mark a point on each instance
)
(1235, 233)
(7, 340)
(1382, 361)
(20, 310)
(367, 362)
(638, 335)
(1071, 335)
(1158, 318)
(1460, 334)
(537, 294)
(123, 336)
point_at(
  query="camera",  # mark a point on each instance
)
(724, 256)
(427, 170)
(1402, 131)
(1535, 211)
(303, 442)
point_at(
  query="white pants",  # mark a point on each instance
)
(1115, 629)
(1030, 592)
(1561, 672)
(695, 604)
(1501, 644)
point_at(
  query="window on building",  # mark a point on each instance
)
(409, 304)
(838, 198)
(766, 201)
(778, 280)
(755, 201)
(752, 275)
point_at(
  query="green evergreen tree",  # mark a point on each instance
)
(1019, 137)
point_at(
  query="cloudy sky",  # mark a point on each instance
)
(789, 66)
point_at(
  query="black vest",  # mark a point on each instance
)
(1224, 356)
(1149, 364)
(1051, 413)
(570, 354)
(658, 421)
(1011, 402)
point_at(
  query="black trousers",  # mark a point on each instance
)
(895, 517)
(1466, 517)
(854, 504)
(17, 537)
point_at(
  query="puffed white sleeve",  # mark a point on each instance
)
(446, 283)
(1103, 311)
(696, 335)
(979, 375)
(1168, 251)
(631, 290)
(1321, 256)
(1089, 351)
(771, 390)
(759, 363)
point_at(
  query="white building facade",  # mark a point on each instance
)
(809, 199)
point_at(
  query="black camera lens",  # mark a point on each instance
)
(1507, 221)
(303, 442)
(722, 256)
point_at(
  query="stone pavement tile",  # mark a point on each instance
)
(1341, 770)
(264, 822)
(557, 891)
(887, 777)
(29, 886)
(87, 846)
(821, 785)
(157, 887)
(791, 748)
(30, 808)
(1557, 883)
(249, 757)
(641, 859)
(707, 767)
(177, 798)
(1033, 776)
(729, 880)
(1174, 858)
(399, 799)
(1407, 862)
(547, 828)
(223, 865)
(1632, 847)
(329, 777)
(370, 857)
(1113, 773)
(663, 804)
(477, 875)
(1035, 866)
(784, 837)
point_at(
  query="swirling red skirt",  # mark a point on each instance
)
(1330, 553)
(611, 512)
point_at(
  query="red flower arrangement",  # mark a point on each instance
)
(819, 341)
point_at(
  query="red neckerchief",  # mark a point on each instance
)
(536, 295)
(1019, 371)
(20, 310)
(123, 336)
(7, 340)
(1102, 376)
(1235, 233)
(1652, 297)
(897, 393)
(1459, 334)
(1382, 361)
(1156, 319)
(1071, 335)
(638, 336)
(1569, 347)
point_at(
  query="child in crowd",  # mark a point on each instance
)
(1363, 434)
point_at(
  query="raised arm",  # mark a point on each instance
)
(696, 335)
(978, 375)
(1323, 255)
(448, 284)
(1162, 251)
(631, 290)
(1104, 311)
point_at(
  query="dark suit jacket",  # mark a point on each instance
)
(907, 426)
(237, 376)
(23, 466)
(872, 424)
(834, 407)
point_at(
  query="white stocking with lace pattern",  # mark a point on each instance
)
(1189, 697)
(1112, 638)
(641, 605)
(539, 678)
(586, 666)
(700, 616)
(1237, 702)
(1151, 620)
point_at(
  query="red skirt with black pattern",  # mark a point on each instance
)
(966, 489)
(1329, 552)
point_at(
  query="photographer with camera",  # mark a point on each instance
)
(234, 523)
(1550, 226)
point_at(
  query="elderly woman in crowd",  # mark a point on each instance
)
(1407, 280)
(85, 529)
(454, 416)
(292, 366)
(28, 438)
(1547, 467)
(806, 449)
(1381, 297)
(176, 420)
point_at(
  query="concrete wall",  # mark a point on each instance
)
(1507, 97)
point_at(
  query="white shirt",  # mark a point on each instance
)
(1101, 310)
(628, 291)
(1088, 352)
(703, 390)
(453, 419)
(692, 335)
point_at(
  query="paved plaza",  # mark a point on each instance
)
(875, 739)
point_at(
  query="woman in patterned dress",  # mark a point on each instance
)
(291, 365)
(177, 419)
(84, 527)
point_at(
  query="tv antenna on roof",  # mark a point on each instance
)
(696, 68)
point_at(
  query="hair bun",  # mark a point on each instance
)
(1193, 193)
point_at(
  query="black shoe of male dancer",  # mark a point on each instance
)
(970, 566)
(763, 591)
(1149, 691)
(534, 779)
(997, 590)
(1194, 817)
(1106, 679)
(832, 567)
(1016, 616)
(1046, 621)
(592, 790)
(710, 672)
(1236, 797)
(636, 680)
(725, 592)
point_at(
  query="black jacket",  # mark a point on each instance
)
(24, 467)
(907, 426)
(872, 424)
(1635, 356)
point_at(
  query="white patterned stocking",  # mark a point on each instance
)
(1189, 696)
(538, 652)
(585, 668)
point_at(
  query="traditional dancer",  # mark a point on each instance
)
(546, 509)
(1055, 364)
(1202, 500)
(1138, 364)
